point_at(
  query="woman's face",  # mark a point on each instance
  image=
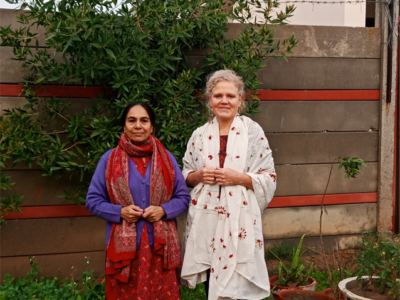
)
(225, 100)
(137, 125)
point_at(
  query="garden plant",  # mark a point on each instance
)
(136, 51)
(296, 274)
(379, 256)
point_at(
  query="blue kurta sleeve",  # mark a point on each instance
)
(180, 199)
(97, 201)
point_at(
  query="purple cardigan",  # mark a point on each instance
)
(99, 204)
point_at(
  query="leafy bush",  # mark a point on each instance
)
(380, 256)
(139, 51)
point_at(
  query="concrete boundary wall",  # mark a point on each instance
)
(305, 137)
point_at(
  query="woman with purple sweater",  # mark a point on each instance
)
(139, 189)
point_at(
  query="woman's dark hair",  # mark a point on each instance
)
(147, 107)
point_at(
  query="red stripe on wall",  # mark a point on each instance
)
(56, 211)
(14, 90)
(312, 200)
(62, 211)
(320, 95)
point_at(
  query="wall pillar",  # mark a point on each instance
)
(387, 120)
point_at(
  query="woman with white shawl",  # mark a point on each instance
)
(229, 163)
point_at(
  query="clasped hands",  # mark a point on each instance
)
(133, 213)
(222, 176)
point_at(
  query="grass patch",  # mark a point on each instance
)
(199, 293)
(284, 251)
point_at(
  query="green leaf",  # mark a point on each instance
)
(110, 53)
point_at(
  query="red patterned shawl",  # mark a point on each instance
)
(121, 249)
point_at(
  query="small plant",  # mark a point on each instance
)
(380, 256)
(322, 279)
(296, 271)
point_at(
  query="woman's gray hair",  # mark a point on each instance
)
(224, 75)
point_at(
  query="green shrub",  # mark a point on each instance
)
(138, 49)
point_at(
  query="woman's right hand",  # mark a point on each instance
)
(205, 175)
(208, 175)
(131, 213)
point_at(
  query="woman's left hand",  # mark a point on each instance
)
(153, 213)
(226, 177)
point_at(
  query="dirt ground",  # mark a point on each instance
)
(347, 258)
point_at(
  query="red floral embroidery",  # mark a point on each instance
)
(219, 258)
(221, 211)
(262, 138)
(221, 240)
(237, 133)
(259, 244)
(212, 243)
(201, 149)
(212, 270)
(210, 137)
(227, 215)
(273, 176)
(210, 157)
(225, 267)
(267, 148)
(233, 128)
(245, 202)
(194, 201)
(248, 169)
(209, 194)
(255, 222)
(196, 159)
(224, 247)
(190, 153)
(261, 155)
(230, 194)
(205, 206)
(238, 156)
(242, 234)
(230, 256)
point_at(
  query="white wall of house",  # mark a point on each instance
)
(333, 13)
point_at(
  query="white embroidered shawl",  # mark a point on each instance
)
(224, 233)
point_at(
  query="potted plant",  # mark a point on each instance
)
(296, 278)
(379, 269)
